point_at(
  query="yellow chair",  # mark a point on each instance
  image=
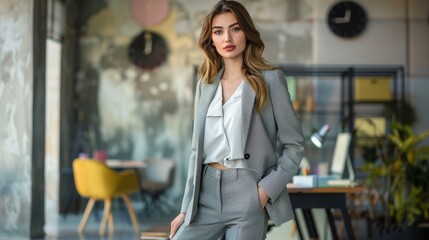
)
(96, 181)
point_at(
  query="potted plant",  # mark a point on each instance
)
(398, 180)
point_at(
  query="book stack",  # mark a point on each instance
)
(156, 233)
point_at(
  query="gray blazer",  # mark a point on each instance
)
(274, 144)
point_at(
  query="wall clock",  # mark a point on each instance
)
(148, 50)
(347, 19)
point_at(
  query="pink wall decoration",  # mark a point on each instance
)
(150, 12)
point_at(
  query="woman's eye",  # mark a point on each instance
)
(236, 29)
(217, 32)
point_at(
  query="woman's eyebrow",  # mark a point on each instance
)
(228, 26)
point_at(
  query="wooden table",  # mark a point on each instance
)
(113, 163)
(327, 198)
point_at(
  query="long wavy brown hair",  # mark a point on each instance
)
(253, 62)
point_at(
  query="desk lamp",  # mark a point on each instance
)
(318, 137)
(340, 158)
(310, 181)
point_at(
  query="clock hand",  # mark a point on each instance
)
(148, 43)
(344, 19)
(348, 15)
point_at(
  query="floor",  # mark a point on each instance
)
(65, 227)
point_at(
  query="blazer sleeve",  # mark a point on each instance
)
(192, 158)
(289, 134)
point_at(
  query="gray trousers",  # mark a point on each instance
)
(228, 208)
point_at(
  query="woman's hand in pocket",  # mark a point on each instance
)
(175, 224)
(263, 197)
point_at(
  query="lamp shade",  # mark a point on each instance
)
(318, 137)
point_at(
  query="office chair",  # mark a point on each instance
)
(156, 178)
(96, 181)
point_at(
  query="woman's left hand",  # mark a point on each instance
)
(263, 197)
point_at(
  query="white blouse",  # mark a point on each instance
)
(223, 141)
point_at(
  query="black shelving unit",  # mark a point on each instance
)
(343, 104)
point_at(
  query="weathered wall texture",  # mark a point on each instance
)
(16, 92)
(135, 114)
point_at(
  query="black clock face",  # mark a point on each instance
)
(347, 19)
(148, 50)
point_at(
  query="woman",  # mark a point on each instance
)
(247, 142)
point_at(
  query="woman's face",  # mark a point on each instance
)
(227, 36)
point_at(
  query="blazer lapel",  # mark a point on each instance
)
(247, 101)
(207, 94)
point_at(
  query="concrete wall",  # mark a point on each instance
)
(397, 34)
(383, 42)
(418, 55)
(16, 101)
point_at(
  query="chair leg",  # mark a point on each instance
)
(131, 212)
(293, 229)
(340, 228)
(106, 213)
(111, 223)
(86, 214)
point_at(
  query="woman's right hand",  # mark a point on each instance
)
(175, 224)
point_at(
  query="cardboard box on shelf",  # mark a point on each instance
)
(372, 89)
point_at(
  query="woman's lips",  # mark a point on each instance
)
(229, 48)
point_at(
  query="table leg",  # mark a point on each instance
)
(331, 222)
(309, 221)
(347, 223)
(297, 225)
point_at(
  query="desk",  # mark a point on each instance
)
(327, 198)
